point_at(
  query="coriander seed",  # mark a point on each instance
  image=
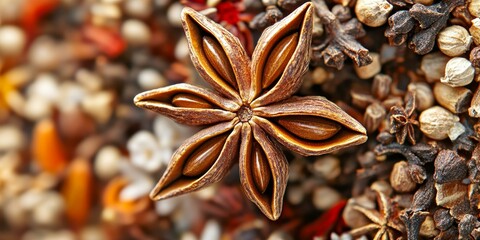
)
(373, 13)
(458, 72)
(436, 122)
(454, 40)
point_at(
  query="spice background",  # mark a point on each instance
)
(78, 159)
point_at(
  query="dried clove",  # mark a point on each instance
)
(449, 167)
(341, 40)
(430, 19)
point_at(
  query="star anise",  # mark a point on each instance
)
(385, 222)
(251, 104)
(402, 120)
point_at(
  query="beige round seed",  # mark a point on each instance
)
(433, 66)
(474, 8)
(436, 122)
(12, 40)
(371, 69)
(373, 13)
(458, 72)
(475, 31)
(325, 197)
(136, 32)
(454, 40)
(400, 178)
(423, 93)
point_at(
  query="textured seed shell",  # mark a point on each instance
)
(160, 101)
(310, 128)
(204, 156)
(269, 202)
(278, 59)
(217, 57)
(301, 21)
(260, 168)
(189, 101)
(197, 26)
(352, 132)
(173, 184)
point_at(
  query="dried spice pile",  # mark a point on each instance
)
(381, 140)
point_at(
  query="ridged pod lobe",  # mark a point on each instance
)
(204, 156)
(309, 127)
(189, 101)
(217, 57)
(261, 172)
(278, 59)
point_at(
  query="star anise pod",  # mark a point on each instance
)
(251, 104)
(385, 222)
(402, 120)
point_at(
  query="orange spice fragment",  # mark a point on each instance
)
(48, 149)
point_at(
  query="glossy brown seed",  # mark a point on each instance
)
(189, 101)
(217, 57)
(260, 169)
(278, 59)
(204, 156)
(310, 127)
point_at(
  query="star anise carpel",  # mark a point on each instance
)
(403, 120)
(249, 109)
(385, 221)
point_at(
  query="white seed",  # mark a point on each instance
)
(373, 13)
(136, 32)
(173, 14)
(49, 211)
(211, 230)
(107, 162)
(12, 40)
(138, 8)
(99, 105)
(433, 66)
(436, 122)
(325, 197)
(458, 72)
(181, 50)
(371, 69)
(328, 167)
(13, 138)
(44, 54)
(150, 78)
(475, 31)
(474, 8)
(37, 107)
(454, 40)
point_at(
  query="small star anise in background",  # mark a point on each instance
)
(251, 105)
(385, 222)
(402, 120)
